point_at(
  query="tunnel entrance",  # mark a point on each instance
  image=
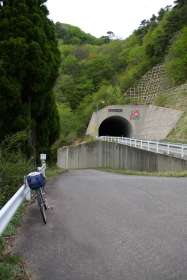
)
(115, 126)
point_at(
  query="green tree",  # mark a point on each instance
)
(176, 61)
(70, 34)
(29, 61)
(98, 69)
(91, 73)
(70, 65)
(179, 3)
(157, 41)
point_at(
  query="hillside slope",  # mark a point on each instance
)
(176, 98)
(94, 75)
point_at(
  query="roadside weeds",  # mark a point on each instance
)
(12, 266)
(145, 173)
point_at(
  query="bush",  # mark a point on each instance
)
(14, 165)
(176, 61)
(161, 100)
(13, 168)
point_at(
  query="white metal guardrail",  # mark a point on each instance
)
(10, 208)
(177, 150)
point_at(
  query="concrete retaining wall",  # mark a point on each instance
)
(112, 155)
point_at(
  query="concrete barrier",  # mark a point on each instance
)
(112, 155)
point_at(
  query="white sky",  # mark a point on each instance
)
(99, 16)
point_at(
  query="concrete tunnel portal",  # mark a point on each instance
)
(115, 126)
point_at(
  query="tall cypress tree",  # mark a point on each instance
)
(29, 60)
(180, 3)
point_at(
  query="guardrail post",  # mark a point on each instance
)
(148, 146)
(135, 143)
(182, 151)
(157, 147)
(130, 142)
(141, 144)
(67, 158)
(27, 190)
(168, 150)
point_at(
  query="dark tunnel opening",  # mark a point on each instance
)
(115, 126)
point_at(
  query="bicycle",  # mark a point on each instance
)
(41, 204)
(36, 182)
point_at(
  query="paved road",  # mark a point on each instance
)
(108, 227)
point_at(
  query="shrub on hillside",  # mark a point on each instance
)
(14, 165)
(176, 61)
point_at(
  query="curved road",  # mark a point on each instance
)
(105, 226)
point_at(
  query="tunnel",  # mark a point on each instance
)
(115, 126)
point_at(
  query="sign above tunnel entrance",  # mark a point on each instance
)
(135, 115)
(115, 110)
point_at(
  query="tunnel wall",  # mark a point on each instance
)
(153, 122)
(112, 155)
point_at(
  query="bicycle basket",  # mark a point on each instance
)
(35, 180)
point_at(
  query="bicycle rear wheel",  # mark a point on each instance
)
(41, 205)
(44, 199)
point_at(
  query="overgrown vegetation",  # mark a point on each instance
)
(14, 165)
(13, 168)
(93, 75)
(176, 61)
(176, 99)
(11, 266)
(145, 173)
(94, 72)
(69, 34)
(53, 171)
(29, 60)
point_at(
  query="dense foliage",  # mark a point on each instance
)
(29, 61)
(13, 168)
(14, 164)
(91, 73)
(70, 34)
(176, 61)
(94, 72)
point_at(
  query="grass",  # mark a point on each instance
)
(53, 171)
(180, 132)
(176, 99)
(145, 173)
(11, 266)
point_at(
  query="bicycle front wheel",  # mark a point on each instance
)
(41, 205)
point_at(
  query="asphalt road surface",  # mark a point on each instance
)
(105, 226)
